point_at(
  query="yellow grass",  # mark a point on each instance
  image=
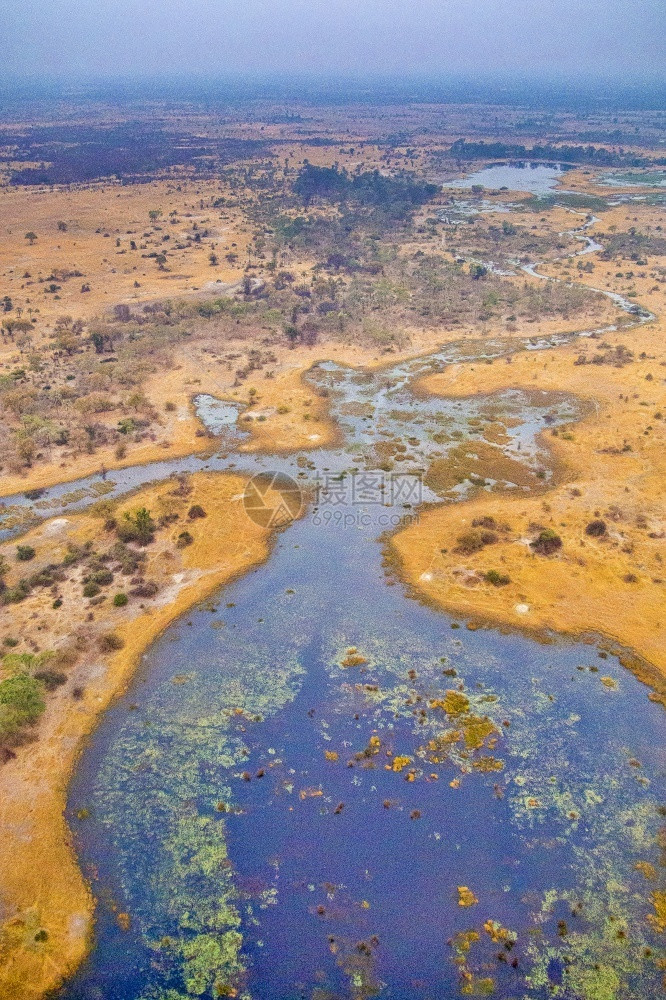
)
(41, 886)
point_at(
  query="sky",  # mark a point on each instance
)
(610, 38)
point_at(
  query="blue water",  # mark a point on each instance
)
(253, 682)
(537, 178)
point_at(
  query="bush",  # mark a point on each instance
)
(110, 642)
(547, 542)
(24, 553)
(91, 589)
(137, 528)
(485, 522)
(129, 559)
(103, 577)
(497, 579)
(184, 539)
(51, 679)
(21, 703)
(596, 528)
(147, 589)
(13, 595)
(120, 600)
(474, 541)
(196, 511)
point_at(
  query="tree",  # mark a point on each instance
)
(154, 214)
(31, 237)
(97, 340)
(142, 525)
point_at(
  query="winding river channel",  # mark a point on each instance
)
(318, 787)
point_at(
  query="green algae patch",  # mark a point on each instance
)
(166, 763)
(602, 983)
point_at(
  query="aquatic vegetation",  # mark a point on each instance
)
(454, 703)
(658, 918)
(353, 658)
(488, 764)
(499, 934)
(477, 730)
(477, 986)
(466, 897)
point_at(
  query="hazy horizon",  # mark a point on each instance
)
(143, 38)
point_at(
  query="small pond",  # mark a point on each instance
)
(537, 178)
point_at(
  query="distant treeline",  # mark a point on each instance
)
(19, 96)
(395, 196)
(76, 154)
(463, 150)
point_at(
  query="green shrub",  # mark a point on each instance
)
(91, 589)
(103, 577)
(136, 528)
(13, 595)
(184, 539)
(546, 542)
(120, 600)
(21, 703)
(497, 579)
(24, 553)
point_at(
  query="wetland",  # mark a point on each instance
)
(333, 736)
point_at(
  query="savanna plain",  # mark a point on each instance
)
(332, 583)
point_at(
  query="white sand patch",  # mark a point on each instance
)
(56, 525)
